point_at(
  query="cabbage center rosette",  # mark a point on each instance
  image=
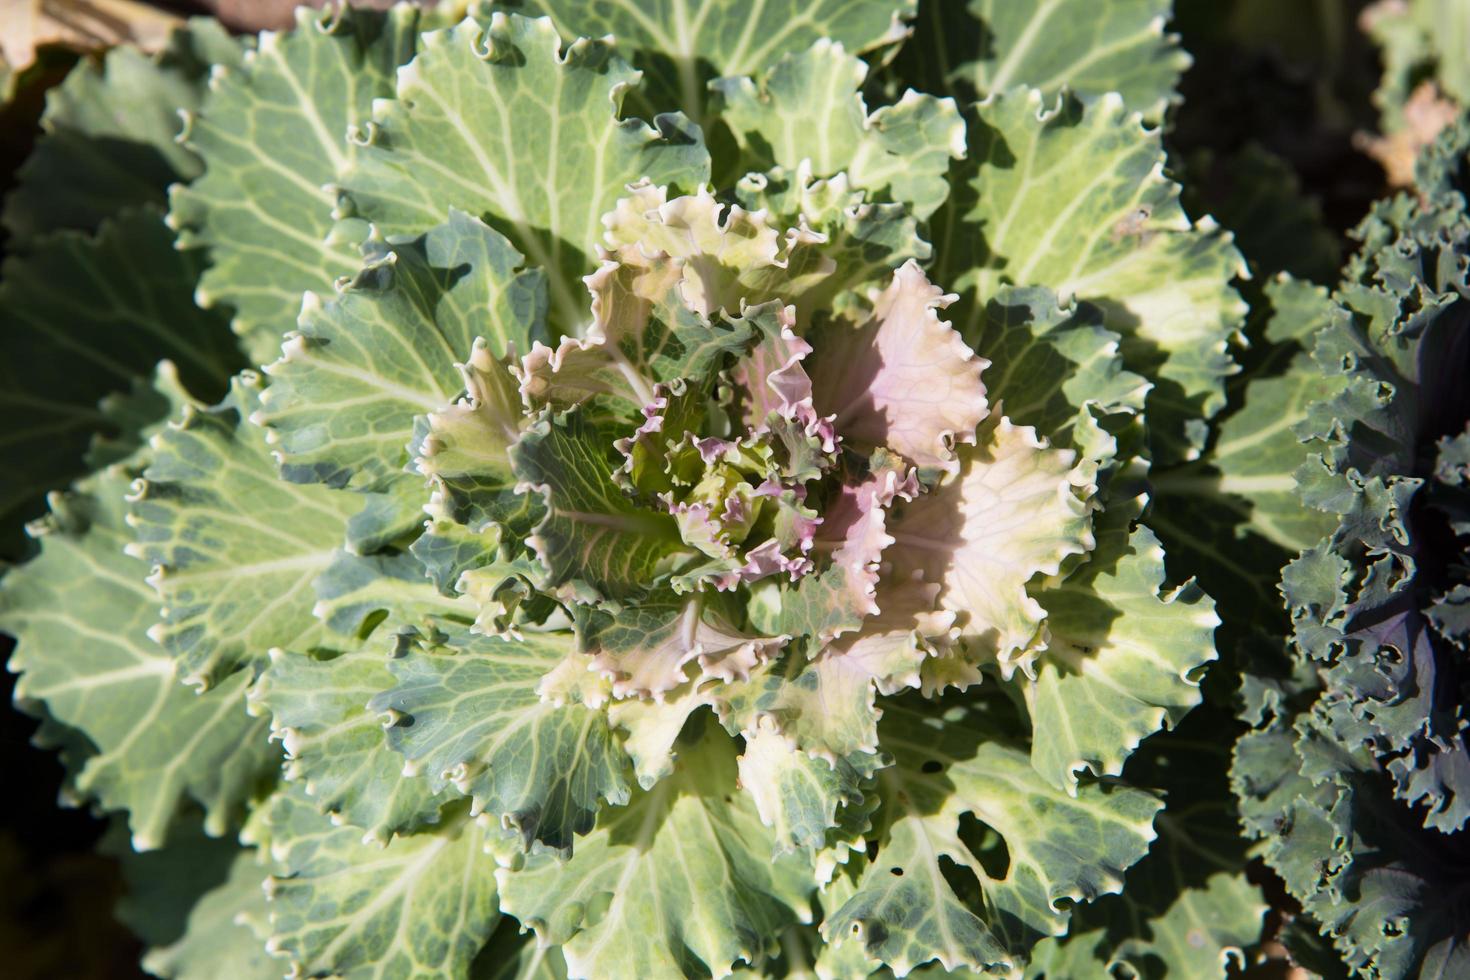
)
(754, 485)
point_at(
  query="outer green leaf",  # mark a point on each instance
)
(420, 907)
(826, 707)
(81, 614)
(1092, 47)
(681, 881)
(1050, 364)
(1073, 197)
(226, 933)
(235, 548)
(1238, 510)
(469, 712)
(85, 317)
(109, 134)
(899, 152)
(365, 363)
(356, 593)
(335, 744)
(680, 43)
(273, 137)
(1123, 660)
(905, 912)
(502, 123)
(592, 533)
(1186, 910)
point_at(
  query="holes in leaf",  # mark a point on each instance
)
(988, 846)
(872, 850)
(931, 767)
(896, 872)
(961, 880)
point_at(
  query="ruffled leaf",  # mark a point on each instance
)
(1014, 511)
(468, 711)
(903, 379)
(681, 879)
(897, 153)
(81, 614)
(1072, 197)
(422, 905)
(109, 134)
(501, 122)
(367, 362)
(233, 583)
(1089, 48)
(592, 533)
(61, 355)
(946, 769)
(645, 648)
(1123, 659)
(335, 744)
(264, 207)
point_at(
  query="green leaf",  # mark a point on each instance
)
(1073, 197)
(679, 44)
(809, 106)
(335, 744)
(501, 123)
(469, 712)
(797, 795)
(1123, 659)
(1237, 514)
(273, 138)
(592, 533)
(226, 933)
(864, 240)
(1091, 47)
(81, 614)
(235, 548)
(949, 768)
(824, 707)
(465, 452)
(1186, 910)
(357, 592)
(679, 882)
(421, 906)
(83, 317)
(1050, 363)
(109, 134)
(382, 351)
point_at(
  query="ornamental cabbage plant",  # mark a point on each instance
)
(624, 490)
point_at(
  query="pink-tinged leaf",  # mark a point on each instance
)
(854, 533)
(644, 649)
(771, 379)
(1013, 511)
(903, 378)
(893, 645)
